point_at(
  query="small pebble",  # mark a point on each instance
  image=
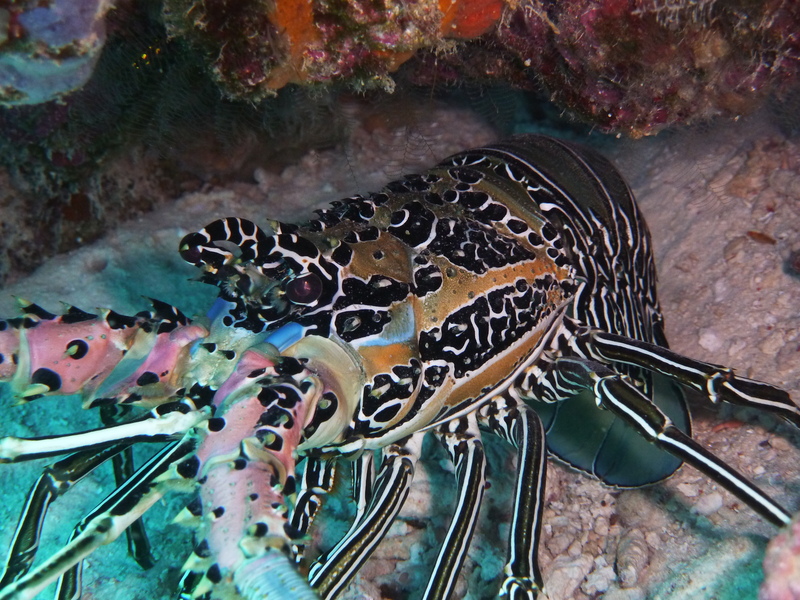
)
(709, 503)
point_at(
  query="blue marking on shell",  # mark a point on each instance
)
(219, 307)
(286, 336)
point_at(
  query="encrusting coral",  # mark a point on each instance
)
(258, 46)
(635, 66)
(638, 66)
(48, 49)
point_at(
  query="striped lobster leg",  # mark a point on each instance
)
(107, 521)
(363, 483)
(565, 377)
(55, 481)
(332, 572)
(315, 484)
(462, 440)
(717, 383)
(379, 504)
(520, 426)
(123, 466)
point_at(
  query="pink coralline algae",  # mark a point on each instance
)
(48, 49)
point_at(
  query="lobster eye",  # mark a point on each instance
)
(305, 289)
(191, 248)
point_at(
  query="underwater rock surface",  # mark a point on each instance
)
(635, 66)
(782, 565)
(48, 49)
(724, 209)
(639, 66)
(631, 66)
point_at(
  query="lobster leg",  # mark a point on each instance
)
(331, 573)
(136, 535)
(363, 479)
(363, 483)
(155, 425)
(104, 524)
(568, 376)
(714, 381)
(520, 426)
(463, 442)
(316, 483)
(56, 480)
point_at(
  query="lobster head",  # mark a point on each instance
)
(272, 279)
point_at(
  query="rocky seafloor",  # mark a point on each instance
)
(723, 205)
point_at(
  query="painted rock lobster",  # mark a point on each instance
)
(509, 290)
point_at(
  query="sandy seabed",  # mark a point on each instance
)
(723, 205)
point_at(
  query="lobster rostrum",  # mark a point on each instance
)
(509, 290)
